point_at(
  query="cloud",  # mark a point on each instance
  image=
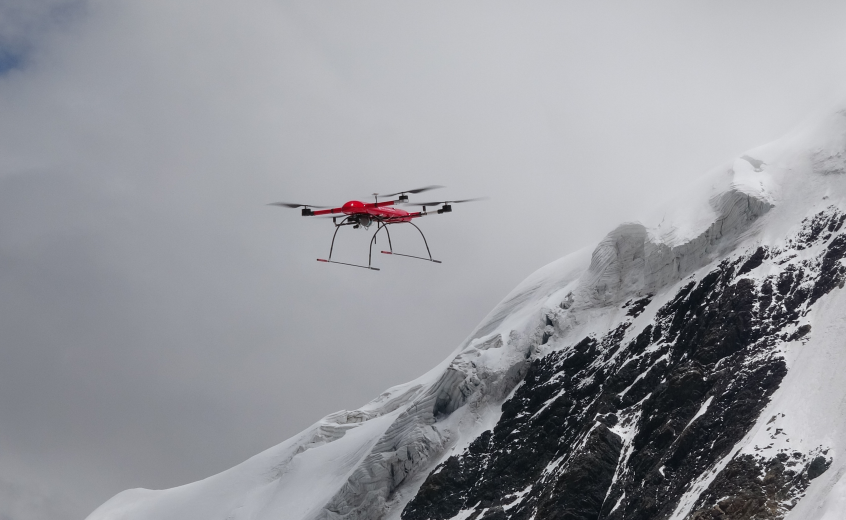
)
(20, 501)
(23, 23)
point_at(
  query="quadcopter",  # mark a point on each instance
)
(364, 214)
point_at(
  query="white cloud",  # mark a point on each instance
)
(20, 501)
(24, 22)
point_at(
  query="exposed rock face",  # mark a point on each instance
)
(622, 429)
(753, 487)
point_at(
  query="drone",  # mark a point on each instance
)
(364, 214)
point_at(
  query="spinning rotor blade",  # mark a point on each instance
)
(416, 190)
(445, 202)
(292, 205)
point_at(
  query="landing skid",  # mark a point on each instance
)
(411, 256)
(351, 265)
(391, 246)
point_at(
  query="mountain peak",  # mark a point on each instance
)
(687, 367)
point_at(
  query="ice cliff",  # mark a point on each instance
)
(693, 367)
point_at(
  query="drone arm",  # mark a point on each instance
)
(332, 211)
(340, 211)
(419, 214)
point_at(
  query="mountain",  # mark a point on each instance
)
(691, 369)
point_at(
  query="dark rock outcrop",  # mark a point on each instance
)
(616, 429)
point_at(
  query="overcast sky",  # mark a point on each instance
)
(159, 323)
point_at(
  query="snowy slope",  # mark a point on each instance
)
(688, 367)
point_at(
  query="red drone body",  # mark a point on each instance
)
(377, 210)
(362, 214)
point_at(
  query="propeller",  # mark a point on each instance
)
(403, 195)
(292, 205)
(445, 202)
(306, 211)
(416, 190)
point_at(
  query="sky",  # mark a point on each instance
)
(160, 323)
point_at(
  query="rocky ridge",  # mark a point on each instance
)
(620, 426)
(688, 369)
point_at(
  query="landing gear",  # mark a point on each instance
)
(391, 247)
(352, 221)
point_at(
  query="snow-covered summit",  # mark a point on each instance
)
(686, 367)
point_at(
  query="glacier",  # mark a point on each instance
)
(692, 366)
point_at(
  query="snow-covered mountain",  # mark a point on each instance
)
(690, 369)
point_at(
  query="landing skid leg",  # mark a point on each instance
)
(391, 252)
(373, 241)
(332, 247)
(424, 242)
